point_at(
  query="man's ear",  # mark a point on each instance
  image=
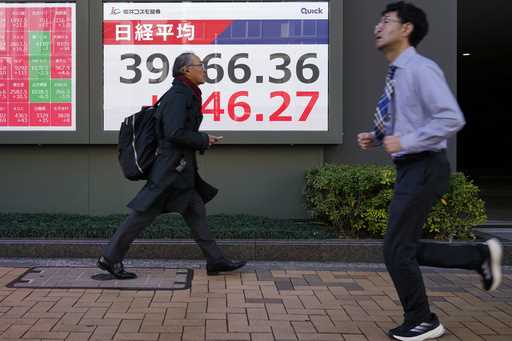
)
(407, 29)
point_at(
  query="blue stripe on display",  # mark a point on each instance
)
(242, 32)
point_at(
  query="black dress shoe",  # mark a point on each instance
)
(223, 265)
(115, 269)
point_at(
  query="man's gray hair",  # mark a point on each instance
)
(181, 62)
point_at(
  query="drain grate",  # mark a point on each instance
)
(93, 278)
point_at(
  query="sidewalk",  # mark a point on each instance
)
(265, 301)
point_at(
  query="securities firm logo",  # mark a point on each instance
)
(135, 11)
(305, 10)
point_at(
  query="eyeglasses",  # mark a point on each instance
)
(387, 20)
(201, 65)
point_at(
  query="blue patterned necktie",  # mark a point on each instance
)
(383, 105)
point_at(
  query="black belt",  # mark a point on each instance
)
(417, 156)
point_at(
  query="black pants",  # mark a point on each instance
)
(421, 180)
(195, 217)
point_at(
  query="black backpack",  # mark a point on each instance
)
(138, 143)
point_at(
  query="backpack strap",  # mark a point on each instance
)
(159, 127)
(161, 97)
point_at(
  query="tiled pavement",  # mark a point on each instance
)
(265, 301)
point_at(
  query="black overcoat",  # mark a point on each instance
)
(169, 188)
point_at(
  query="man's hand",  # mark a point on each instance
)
(392, 144)
(213, 139)
(365, 140)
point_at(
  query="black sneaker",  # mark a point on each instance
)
(394, 330)
(491, 267)
(419, 331)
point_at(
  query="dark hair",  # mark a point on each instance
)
(408, 13)
(181, 62)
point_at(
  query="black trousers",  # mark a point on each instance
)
(421, 180)
(195, 217)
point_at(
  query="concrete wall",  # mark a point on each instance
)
(260, 180)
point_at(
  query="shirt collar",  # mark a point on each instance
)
(404, 58)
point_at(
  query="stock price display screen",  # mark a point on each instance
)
(266, 62)
(37, 66)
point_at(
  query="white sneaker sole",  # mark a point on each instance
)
(434, 333)
(496, 252)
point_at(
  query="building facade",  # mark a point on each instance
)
(257, 172)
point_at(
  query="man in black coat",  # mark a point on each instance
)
(174, 184)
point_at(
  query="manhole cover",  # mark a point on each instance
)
(93, 278)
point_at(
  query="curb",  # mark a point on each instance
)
(346, 250)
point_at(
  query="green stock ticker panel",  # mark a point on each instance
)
(38, 73)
